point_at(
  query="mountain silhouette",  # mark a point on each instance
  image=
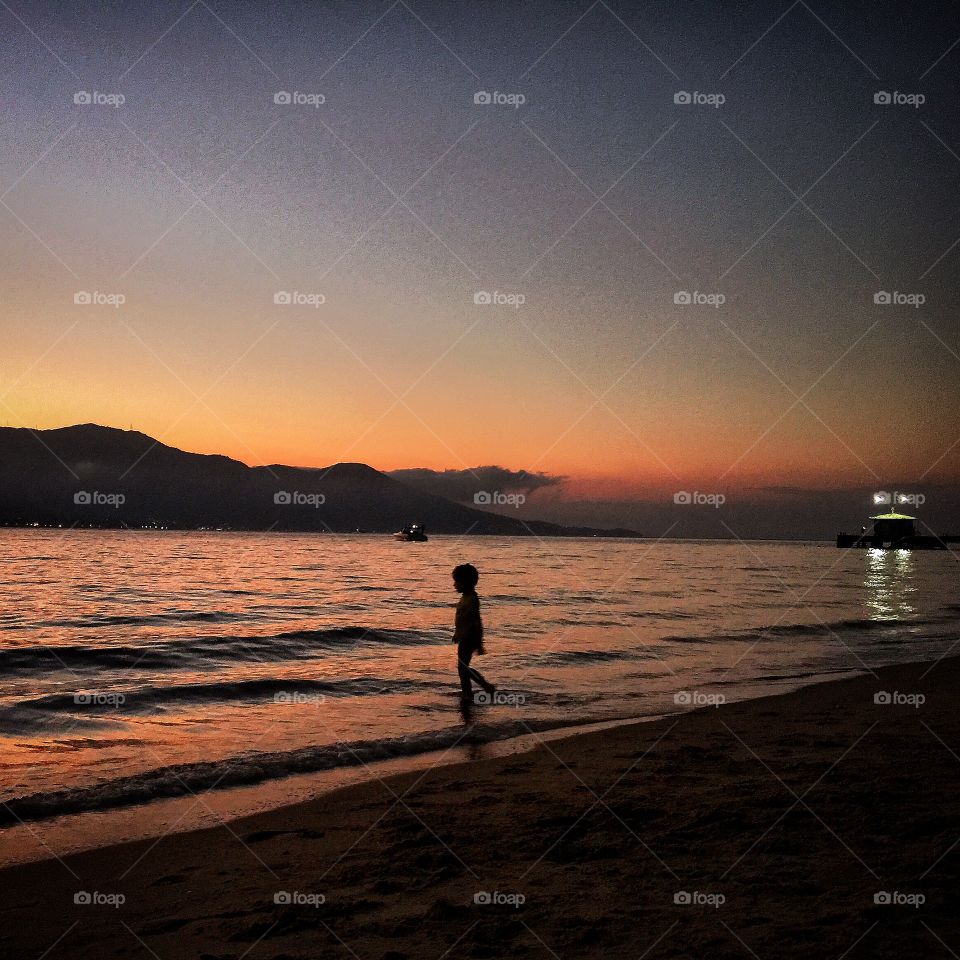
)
(89, 475)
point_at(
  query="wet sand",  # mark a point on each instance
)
(765, 828)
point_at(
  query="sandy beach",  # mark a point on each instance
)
(763, 828)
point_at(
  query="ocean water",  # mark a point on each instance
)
(139, 667)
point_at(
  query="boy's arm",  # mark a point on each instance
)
(474, 625)
(458, 624)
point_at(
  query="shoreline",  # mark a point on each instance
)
(797, 809)
(236, 803)
(124, 823)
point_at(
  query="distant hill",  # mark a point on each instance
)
(88, 475)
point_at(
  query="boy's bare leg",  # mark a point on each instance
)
(479, 678)
(463, 671)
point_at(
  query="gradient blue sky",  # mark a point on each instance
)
(399, 198)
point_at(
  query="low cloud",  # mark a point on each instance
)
(462, 485)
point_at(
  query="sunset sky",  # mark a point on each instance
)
(399, 198)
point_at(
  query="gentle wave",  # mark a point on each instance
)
(584, 656)
(195, 651)
(149, 698)
(664, 614)
(248, 768)
(827, 627)
(139, 620)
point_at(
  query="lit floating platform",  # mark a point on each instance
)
(895, 531)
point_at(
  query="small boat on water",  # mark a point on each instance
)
(412, 532)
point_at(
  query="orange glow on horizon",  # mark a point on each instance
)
(310, 402)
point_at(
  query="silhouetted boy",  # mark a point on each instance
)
(468, 628)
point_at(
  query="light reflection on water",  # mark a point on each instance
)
(890, 584)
